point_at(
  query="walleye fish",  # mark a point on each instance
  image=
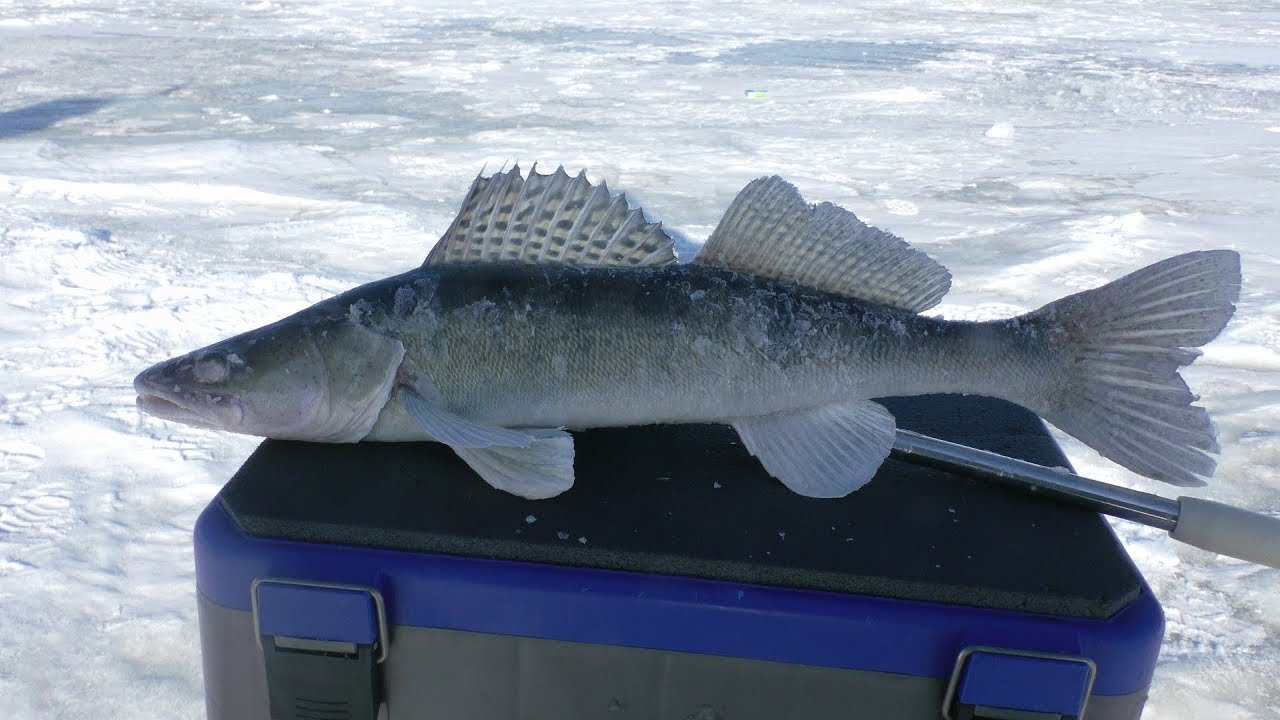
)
(550, 304)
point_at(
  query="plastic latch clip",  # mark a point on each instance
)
(1003, 684)
(323, 647)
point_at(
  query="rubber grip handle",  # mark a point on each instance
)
(1228, 530)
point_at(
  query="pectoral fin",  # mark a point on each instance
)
(827, 451)
(456, 431)
(534, 463)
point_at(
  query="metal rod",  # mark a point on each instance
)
(1059, 483)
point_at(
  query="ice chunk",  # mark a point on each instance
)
(1001, 130)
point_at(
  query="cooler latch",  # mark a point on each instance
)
(324, 646)
(1001, 684)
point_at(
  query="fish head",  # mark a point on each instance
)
(303, 378)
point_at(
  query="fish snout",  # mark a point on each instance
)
(148, 379)
(161, 395)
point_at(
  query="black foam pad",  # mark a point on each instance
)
(688, 500)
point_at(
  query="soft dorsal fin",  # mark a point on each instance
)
(770, 231)
(550, 219)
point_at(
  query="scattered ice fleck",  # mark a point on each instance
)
(583, 539)
(704, 712)
(404, 300)
(531, 519)
(901, 207)
(908, 94)
(782, 536)
(562, 535)
(359, 310)
(715, 485)
(1001, 130)
(577, 90)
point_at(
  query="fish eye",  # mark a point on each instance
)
(211, 368)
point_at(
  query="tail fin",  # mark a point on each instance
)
(1122, 394)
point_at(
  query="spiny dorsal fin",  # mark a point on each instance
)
(770, 231)
(550, 219)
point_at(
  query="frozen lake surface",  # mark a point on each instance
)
(174, 173)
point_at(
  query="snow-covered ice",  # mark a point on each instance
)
(174, 173)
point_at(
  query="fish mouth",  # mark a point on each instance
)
(204, 409)
(162, 408)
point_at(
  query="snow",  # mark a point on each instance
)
(174, 173)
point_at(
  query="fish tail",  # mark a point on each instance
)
(1123, 343)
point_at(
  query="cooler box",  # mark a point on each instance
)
(676, 580)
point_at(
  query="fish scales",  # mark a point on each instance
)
(564, 346)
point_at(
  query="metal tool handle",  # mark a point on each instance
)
(1205, 524)
(1228, 530)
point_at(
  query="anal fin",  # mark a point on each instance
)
(824, 452)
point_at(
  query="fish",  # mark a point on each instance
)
(552, 305)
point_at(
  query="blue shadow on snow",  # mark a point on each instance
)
(34, 118)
